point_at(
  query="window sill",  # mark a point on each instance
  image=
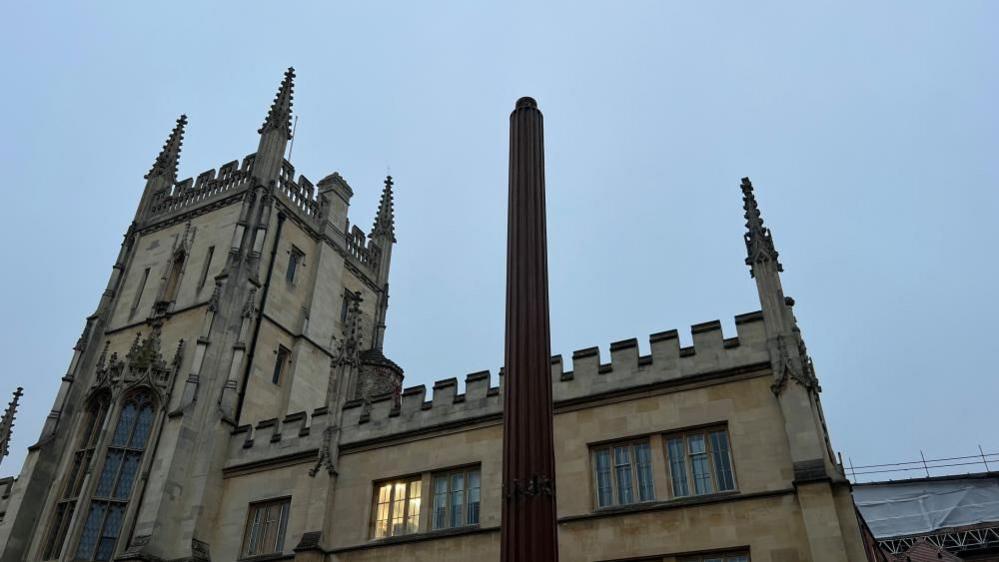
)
(266, 557)
(419, 537)
(676, 503)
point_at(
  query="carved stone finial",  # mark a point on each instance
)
(279, 116)
(7, 423)
(349, 348)
(166, 163)
(385, 218)
(759, 242)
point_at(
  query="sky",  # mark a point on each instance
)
(870, 130)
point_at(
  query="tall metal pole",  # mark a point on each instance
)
(529, 526)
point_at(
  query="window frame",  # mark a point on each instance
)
(141, 396)
(71, 490)
(465, 471)
(610, 446)
(704, 431)
(281, 361)
(254, 507)
(296, 261)
(390, 515)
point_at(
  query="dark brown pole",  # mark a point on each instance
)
(529, 526)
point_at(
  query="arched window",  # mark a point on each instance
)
(72, 484)
(117, 478)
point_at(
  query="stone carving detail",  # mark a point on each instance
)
(199, 550)
(143, 364)
(800, 371)
(250, 306)
(325, 459)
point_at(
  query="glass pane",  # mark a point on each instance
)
(440, 502)
(622, 471)
(398, 508)
(282, 524)
(142, 427)
(457, 499)
(413, 509)
(111, 463)
(699, 465)
(605, 493)
(124, 427)
(740, 558)
(127, 478)
(105, 547)
(678, 467)
(91, 530)
(723, 465)
(253, 535)
(473, 497)
(643, 460)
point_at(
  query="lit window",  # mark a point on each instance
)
(623, 473)
(279, 364)
(718, 557)
(116, 479)
(73, 482)
(397, 508)
(265, 527)
(456, 498)
(294, 261)
(700, 462)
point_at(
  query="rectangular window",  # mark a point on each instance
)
(396, 508)
(265, 527)
(700, 462)
(204, 269)
(718, 557)
(280, 364)
(623, 473)
(138, 292)
(456, 498)
(294, 261)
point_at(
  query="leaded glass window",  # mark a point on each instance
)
(623, 473)
(72, 485)
(700, 462)
(456, 498)
(116, 478)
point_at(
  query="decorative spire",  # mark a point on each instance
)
(166, 162)
(385, 219)
(7, 423)
(279, 116)
(759, 242)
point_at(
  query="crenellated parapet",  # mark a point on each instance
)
(296, 434)
(210, 186)
(712, 354)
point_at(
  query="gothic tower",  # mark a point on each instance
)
(229, 300)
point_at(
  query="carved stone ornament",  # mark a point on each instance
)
(325, 459)
(785, 367)
(143, 364)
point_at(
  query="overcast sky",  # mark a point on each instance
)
(870, 129)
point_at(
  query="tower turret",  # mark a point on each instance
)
(275, 132)
(163, 174)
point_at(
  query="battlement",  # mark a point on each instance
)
(301, 194)
(210, 186)
(292, 435)
(711, 352)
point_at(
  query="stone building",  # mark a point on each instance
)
(229, 399)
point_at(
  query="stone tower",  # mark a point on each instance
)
(232, 297)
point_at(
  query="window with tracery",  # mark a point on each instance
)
(117, 478)
(72, 485)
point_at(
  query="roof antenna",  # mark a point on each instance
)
(291, 145)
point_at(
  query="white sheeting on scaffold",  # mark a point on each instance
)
(914, 507)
